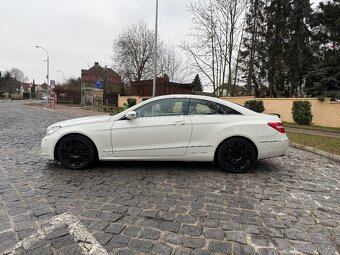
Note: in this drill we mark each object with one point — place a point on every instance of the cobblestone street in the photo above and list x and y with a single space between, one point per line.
288 205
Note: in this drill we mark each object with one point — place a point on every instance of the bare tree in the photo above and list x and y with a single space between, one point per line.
215 37
171 63
17 74
133 52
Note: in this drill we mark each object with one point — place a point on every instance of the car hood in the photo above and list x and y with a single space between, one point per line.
83 121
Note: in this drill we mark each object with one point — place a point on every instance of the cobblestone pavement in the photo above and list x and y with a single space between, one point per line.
288 205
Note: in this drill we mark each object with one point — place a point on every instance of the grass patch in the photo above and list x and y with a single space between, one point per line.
318 128
328 144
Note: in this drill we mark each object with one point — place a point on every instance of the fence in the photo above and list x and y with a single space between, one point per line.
325 113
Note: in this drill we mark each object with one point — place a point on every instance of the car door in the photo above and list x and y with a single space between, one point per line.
162 129
208 119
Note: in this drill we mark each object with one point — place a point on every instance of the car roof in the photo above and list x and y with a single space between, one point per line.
236 107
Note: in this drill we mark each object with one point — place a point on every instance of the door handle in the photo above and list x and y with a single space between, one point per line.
179 123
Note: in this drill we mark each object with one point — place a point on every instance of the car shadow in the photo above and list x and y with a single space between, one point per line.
259 167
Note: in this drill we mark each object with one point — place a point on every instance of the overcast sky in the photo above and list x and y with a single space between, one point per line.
76 33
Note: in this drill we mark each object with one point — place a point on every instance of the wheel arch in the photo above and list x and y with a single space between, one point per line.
55 152
240 137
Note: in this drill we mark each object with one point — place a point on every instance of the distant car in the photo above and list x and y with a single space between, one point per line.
44 97
169 128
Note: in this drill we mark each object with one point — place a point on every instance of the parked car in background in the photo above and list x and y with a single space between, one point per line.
169 128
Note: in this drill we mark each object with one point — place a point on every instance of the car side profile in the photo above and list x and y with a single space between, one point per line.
169 128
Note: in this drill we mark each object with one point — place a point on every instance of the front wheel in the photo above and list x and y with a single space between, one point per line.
76 152
236 155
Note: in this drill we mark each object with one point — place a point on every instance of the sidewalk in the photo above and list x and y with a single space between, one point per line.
78 110
313 132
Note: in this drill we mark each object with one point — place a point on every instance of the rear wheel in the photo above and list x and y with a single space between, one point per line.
76 152
236 155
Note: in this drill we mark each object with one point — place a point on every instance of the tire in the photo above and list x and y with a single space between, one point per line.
76 152
236 155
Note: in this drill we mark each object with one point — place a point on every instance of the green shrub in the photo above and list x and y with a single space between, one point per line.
25 95
254 105
302 112
131 102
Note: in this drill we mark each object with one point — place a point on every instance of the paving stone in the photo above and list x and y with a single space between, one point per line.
295 234
239 237
57 232
191 230
182 251
173 238
62 241
192 242
115 228
140 245
170 226
132 231
148 233
202 252
117 242
306 248
220 247
241 249
159 248
216 234
40 251
149 213
103 238
73 249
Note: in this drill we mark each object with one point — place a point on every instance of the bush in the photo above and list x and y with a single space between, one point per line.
302 112
131 102
254 105
25 95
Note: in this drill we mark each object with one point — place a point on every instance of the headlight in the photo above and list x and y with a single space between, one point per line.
51 130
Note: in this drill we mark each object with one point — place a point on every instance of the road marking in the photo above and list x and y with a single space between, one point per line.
84 239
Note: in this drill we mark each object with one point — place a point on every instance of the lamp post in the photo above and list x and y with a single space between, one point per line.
155 54
48 70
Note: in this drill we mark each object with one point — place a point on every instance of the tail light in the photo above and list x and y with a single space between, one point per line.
277 126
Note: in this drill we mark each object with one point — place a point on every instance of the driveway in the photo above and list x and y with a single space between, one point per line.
287 205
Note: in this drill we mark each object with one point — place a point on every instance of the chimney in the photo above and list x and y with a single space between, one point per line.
96 63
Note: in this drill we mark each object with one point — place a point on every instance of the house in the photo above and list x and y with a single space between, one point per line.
163 87
104 78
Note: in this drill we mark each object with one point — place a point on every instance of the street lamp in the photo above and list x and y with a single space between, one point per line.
48 69
155 54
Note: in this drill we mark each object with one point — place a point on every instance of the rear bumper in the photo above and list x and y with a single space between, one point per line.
271 149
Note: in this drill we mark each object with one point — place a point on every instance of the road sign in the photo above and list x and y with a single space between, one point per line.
99 84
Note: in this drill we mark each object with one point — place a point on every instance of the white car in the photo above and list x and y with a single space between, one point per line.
169 128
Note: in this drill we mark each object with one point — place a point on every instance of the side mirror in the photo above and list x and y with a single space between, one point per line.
131 115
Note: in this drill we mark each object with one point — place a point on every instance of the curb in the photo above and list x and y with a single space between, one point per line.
315 151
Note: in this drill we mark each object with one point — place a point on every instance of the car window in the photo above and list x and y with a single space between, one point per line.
204 107
164 107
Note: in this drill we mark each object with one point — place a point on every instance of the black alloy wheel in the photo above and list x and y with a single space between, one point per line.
76 152
236 155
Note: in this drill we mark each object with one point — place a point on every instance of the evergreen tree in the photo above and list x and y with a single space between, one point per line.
299 52
324 78
254 50
277 41
196 84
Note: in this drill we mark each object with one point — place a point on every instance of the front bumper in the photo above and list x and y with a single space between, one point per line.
47 147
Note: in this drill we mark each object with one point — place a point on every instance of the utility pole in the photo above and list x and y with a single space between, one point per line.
155 54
